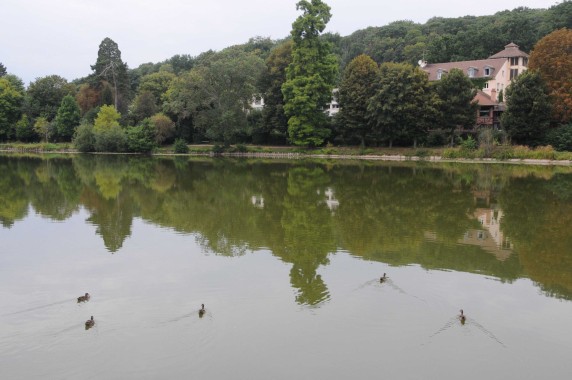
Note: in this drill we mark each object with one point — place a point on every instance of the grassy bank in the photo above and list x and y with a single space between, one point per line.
498 153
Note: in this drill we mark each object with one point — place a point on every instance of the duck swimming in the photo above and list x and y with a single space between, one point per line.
383 278
202 311
462 317
83 298
89 323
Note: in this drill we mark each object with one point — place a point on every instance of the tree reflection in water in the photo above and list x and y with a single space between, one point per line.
503 221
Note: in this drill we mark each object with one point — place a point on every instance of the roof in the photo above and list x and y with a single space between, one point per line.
510 50
479 65
484 100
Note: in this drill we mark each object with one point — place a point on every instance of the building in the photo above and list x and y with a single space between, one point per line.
499 70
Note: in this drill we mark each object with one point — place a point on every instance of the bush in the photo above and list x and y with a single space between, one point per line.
84 138
141 139
180 146
111 140
241 148
436 138
218 149
561 138
469 143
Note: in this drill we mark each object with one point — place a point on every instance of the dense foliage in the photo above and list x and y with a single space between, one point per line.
210 97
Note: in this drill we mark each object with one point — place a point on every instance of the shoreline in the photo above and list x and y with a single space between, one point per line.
301 156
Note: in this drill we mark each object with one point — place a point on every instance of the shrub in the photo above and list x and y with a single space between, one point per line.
111 140
218 149
241 148
180 146
469 143
141 139
436 138
84 138
560 138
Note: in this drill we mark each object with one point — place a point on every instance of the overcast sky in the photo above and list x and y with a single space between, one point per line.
45 37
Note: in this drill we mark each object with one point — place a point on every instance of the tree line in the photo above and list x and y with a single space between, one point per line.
384 97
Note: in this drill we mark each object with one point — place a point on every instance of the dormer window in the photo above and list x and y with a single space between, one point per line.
440 73
487 71
472 72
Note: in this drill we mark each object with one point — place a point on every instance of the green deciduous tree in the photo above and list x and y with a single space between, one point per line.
404 104
45 96
10 108
164 128
25 130
215 97
552 58
157 83
67 118
527 116
43 128
358 86
143 106
310 77
274 126
141 138
457 105
107 118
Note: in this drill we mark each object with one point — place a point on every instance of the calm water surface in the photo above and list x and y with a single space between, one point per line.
286 257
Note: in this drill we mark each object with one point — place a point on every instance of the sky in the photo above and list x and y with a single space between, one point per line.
62 37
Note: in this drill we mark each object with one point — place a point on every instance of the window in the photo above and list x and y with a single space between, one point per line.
514 61
439 73
486 85
525 62
513 73
487 71
472 72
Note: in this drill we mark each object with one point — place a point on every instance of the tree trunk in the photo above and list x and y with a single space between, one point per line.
415 143
390 143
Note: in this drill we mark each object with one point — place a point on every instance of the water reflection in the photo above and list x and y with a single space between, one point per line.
507 222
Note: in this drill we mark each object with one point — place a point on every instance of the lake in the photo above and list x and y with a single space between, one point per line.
287 257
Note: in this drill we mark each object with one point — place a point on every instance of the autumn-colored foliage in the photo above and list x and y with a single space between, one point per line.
552 57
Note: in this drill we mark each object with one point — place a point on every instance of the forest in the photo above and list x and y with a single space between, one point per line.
209 98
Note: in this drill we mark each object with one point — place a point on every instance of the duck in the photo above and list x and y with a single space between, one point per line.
89 323
83 298
202 311
383 278
462 317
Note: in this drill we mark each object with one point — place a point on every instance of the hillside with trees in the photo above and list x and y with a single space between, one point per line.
209 97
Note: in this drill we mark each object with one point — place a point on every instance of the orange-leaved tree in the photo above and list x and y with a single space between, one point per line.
552 57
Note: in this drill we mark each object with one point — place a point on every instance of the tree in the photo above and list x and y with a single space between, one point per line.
10 108
164 128
527 116
2 70
357 88
87 98
457 105
25 130
43 128
216 96
110 68
274 121
45 96
107 118
141 139
552 57
157 83
143 106
403 105
310 77
67 118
